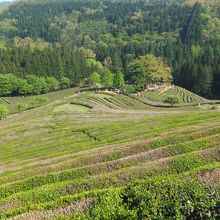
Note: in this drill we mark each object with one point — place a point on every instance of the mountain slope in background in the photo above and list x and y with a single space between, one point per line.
184 33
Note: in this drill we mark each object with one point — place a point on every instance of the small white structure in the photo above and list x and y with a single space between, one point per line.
155 86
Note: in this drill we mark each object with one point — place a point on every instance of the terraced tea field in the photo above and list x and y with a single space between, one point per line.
63 160
11 102
185 96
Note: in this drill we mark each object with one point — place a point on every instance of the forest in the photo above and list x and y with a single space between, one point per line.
62 38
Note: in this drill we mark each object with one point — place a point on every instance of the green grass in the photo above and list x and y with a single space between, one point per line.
61 154
70 108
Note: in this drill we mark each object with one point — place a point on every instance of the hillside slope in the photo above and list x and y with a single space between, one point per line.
184 95
112 100
57 162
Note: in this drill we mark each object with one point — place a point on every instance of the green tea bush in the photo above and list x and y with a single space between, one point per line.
21 107
110 206
158 199
172 100
168 199
3 111
37 101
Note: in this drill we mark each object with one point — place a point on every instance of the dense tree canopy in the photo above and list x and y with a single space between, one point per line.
74 38
30 85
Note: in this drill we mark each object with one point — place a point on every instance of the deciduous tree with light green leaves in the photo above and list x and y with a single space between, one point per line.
8 84
107 78
94 79
148 69
23 87
52 83
65 83
157 69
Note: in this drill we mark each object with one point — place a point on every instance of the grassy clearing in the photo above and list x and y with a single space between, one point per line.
70 108
65 157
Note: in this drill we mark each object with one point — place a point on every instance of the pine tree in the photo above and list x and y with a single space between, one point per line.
118 80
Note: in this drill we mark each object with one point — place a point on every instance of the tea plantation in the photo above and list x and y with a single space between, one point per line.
87 155
184 95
